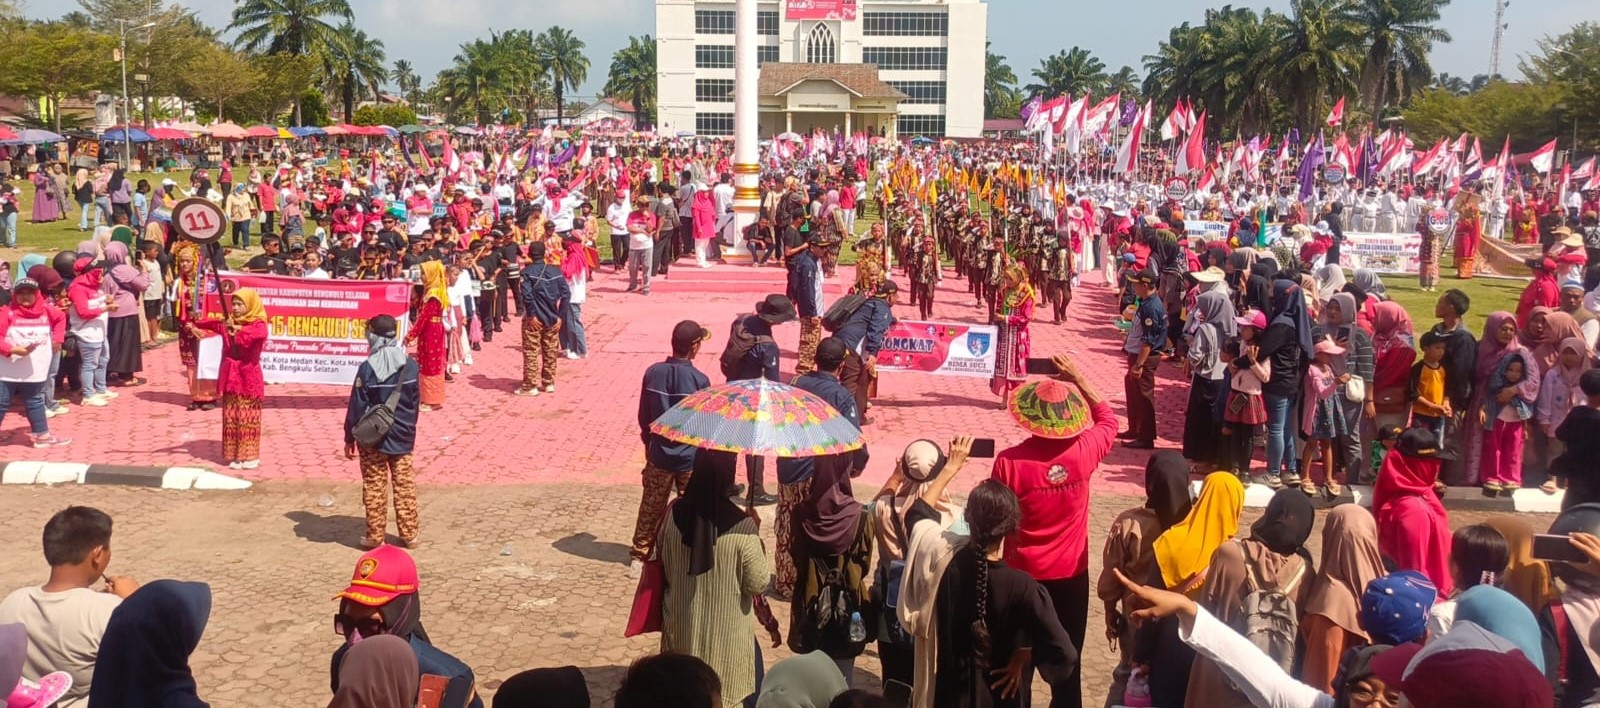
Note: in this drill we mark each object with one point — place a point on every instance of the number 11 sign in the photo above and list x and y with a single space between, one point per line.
198 220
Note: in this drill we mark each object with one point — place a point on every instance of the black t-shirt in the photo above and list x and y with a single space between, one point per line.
344 261
392 239
264 263
512 253
492 264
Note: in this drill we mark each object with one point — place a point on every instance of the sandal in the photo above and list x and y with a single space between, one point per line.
1309 487
1549 487
1335 490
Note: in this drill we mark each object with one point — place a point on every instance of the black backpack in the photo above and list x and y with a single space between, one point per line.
740 343
829 614
841 310
886 586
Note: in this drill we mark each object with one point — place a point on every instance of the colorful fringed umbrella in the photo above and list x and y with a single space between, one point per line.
759 417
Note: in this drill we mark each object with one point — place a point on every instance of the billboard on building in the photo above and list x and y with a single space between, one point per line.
820 10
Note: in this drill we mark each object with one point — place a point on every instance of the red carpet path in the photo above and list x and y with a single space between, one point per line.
587 432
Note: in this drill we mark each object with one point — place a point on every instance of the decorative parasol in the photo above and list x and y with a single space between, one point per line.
228 131
759 417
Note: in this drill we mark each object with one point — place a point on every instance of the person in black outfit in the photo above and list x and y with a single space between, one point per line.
511 251
751 353
1460 358
271 261
491 301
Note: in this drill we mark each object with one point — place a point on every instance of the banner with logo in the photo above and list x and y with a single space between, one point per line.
944 348
820 10
1383 253
1218 230
317 328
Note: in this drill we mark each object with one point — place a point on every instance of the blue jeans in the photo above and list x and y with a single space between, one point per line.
241 230
573 338
96 357
83 215
1280 435
32 394
102 212
11 230
50 383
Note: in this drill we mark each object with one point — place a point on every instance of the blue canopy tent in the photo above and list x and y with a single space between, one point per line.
130 135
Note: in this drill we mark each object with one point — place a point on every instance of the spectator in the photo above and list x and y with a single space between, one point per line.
126 283
1413 527
32 329
380 671
805 290
1499 343
1331 623
795 491
667 464
382 599
65 618
670 681
1478 556
862 335
751 353
544 688
144 655
802 681
387 378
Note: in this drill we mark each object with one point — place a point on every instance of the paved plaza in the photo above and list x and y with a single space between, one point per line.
527 504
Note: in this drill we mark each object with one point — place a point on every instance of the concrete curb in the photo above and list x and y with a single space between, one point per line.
1523 501
200 478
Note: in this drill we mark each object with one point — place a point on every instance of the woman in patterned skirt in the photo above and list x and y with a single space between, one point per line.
239 380
1013 315
429 333
189 308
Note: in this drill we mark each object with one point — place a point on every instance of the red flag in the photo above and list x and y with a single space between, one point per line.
1128 156
1336 116
1193 156
1544 158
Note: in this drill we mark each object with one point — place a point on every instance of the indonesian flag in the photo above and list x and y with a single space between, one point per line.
1193 156
1186 117
1209 180
1058 110
1172 127
1073 125
1566 181
1072 114
1342 155
1594 183
1395 155
1100 116
1585 171
1475 157
584 156
1128 156
1336 116
450 160
1544 158
1428 161
1500 169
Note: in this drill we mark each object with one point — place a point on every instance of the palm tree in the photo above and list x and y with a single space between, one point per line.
291 26
1452 84
472 78
1400 35
1220 65
1125 81
1069 72
1316 57
560 53
633 74
405 79
999 85
353 60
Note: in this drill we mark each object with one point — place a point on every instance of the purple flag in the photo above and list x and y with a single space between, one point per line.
1031 107
1309 167
1367 171
1130 113
1293 140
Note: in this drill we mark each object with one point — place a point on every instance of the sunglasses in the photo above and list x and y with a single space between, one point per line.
344 624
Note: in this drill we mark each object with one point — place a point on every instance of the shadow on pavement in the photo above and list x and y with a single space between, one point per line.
584 545
342 530
494 383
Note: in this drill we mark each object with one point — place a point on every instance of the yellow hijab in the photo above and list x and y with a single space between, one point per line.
254 311
1185 549
434 284
1526 579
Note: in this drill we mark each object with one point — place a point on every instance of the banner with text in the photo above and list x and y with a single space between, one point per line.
318 328
820 10
945 348
1218 230
1383 253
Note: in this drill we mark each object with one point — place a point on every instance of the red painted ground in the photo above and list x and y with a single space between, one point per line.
587 432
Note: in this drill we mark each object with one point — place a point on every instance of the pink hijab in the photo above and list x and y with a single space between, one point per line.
1391 328
1490 351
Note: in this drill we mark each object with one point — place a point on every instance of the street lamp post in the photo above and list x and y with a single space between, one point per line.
127 107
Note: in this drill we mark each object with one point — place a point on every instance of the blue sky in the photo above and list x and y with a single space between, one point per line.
1119 32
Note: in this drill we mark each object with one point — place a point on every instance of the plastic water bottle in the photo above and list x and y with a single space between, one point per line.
858 629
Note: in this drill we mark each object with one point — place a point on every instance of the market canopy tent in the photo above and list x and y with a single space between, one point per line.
33 136
131 135
228 131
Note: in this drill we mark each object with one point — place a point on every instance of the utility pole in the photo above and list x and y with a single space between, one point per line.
1499 35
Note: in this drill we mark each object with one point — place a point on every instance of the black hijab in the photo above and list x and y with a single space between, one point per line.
830 513
705 512
1286 524
1355 666
1258 285
1289 309
1166 487
144 653
544 688
402 617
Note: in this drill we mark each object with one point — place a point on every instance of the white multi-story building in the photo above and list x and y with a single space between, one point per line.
892 67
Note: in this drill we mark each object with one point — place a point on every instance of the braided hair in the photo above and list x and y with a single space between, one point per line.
992 514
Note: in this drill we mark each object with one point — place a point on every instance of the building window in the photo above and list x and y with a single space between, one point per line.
716 124
713 21
912 126
906 58
920 92
820 47
765 54
905 24
713 56
767 23
713 90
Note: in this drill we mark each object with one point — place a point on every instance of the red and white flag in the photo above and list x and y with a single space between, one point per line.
1584 171
1544 158
1100 116
1501 168
1336 116
1192 158
1207 181
584 155
1128 156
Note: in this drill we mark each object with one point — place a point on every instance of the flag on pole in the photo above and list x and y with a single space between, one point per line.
1544 158
422 148
1310 166
1128 156
1566 182
1336 116
1192 158
1502 167
1173 125
1585 171
584 156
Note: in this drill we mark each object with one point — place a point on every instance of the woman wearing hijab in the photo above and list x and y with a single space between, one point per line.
577 270
87 318
1338 318
125 284
1504 615
428 333
387 373
1330 282
240 381
1130 549
380 672
241 211
1413 527
1559 393
1273 557
144 654
1394 350
1499 343
713 566
564 687
1544 291
1286 346
831 534
1330 622
1526 578
803 681
1371 284
1212 324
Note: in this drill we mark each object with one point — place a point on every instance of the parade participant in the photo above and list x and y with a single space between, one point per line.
387 373
1071 429
188 308
1012 313
870 260
805 290
240 379
577 269
863 334
667 463
1145 338
144 656
382 599
1469 228
543 295
429 333
126 284
1060 269
926 274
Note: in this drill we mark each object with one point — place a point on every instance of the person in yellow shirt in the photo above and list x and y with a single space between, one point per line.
1430 407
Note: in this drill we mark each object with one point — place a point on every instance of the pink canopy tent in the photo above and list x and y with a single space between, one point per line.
228 131
262 131
168 134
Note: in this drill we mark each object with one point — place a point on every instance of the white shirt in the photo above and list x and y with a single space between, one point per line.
617 217
90 331
723 194
316 274
560 212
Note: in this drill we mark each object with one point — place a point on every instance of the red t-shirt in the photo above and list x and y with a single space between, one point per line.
1051 481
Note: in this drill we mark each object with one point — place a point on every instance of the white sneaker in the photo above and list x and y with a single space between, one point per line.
98 399
110 395
53 412
573 355
550 389
635 568
526 392
249 464
234 465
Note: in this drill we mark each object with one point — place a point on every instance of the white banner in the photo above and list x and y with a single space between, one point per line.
1382 253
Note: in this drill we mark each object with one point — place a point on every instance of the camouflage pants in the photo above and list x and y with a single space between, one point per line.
379 472
784 574
810 337
541 345
659 485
